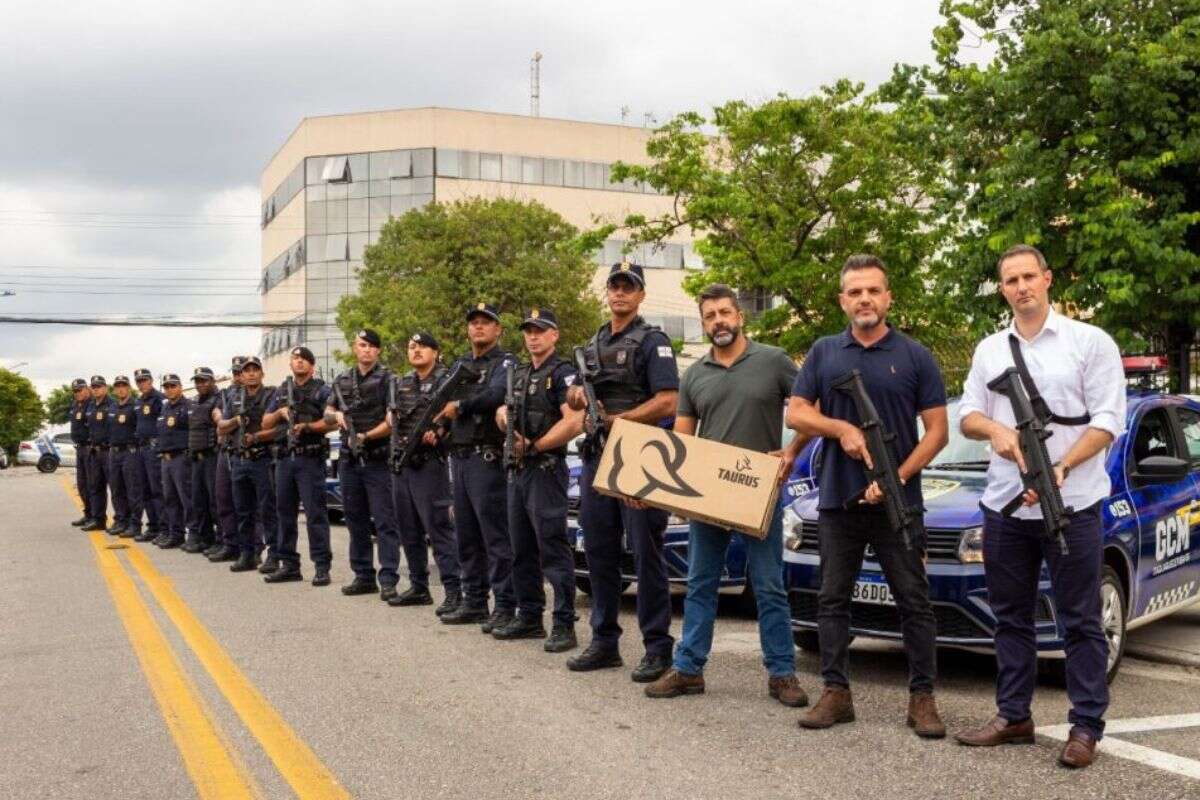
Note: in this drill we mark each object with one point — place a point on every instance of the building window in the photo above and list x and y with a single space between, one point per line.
447 163
336 170
552 174
532 170
489 167
468 165
573 174
422 162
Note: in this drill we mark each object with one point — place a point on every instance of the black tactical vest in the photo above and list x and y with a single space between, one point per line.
79 423
479 430
364 399
202 432
618 384
307 408
256 406
538 412
410 398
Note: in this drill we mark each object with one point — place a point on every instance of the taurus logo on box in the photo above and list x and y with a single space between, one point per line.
672 460
740 474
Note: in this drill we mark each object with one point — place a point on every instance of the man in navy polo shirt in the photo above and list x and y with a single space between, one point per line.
903 381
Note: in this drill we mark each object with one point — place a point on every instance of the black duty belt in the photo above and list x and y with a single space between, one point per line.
541 461
485 452
253 453
124 447
201 455
167 455
308 451
146 442
98 448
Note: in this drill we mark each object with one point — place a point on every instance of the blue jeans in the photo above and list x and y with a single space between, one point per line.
764 562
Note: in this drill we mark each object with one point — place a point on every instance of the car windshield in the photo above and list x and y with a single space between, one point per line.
959 452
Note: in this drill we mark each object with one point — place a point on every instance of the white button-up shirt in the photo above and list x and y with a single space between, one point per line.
1077 369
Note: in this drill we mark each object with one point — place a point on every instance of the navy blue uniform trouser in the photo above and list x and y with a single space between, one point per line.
97 473
603 520
422 497
150 474
254 503
125 468
367 497
204 495
81 479
177 493
301 479
226 514
537 523
1013 550
481 527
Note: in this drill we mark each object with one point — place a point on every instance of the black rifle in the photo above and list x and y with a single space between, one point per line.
450 389
239 407
350 442
885 471
593 423
293 438
1039 471
515 409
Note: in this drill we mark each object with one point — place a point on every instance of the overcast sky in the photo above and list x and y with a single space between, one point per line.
132 134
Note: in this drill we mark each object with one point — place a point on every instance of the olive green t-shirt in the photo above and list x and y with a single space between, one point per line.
742 404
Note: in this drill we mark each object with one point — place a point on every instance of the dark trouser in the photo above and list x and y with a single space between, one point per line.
254 503
152 486
125 468
367 496
1013 551
97 473
301 479
537 523
603 520
81 479
481 527
422 498
204 495
177 493
223 492
843 536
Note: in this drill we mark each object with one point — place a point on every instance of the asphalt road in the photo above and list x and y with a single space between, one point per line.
139 673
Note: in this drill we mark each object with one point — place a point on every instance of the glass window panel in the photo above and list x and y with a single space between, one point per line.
335 247
673 256
336 213
373 236
552 173
692 330
380 163
531 170
403 187
489 167
401 164
447 163
314 167
422 186
314 219
379 189
400 204
573 173
314 246
356 213
612 251
337 191
692 259
358 167
468 164
358 189
594 175
315 193
381 209
510 168
419 200
295 181
334 170
317 272
357 242
422 162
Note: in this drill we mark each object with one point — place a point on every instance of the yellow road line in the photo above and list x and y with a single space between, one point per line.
208 761
296 762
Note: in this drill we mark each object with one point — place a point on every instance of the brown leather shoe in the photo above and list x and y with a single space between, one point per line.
998 731
1080 749
674 683
786 689
923 716
835 705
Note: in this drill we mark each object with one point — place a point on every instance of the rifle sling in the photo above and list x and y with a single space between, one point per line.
1038 402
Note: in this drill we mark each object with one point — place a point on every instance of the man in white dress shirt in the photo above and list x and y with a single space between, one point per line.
1077 370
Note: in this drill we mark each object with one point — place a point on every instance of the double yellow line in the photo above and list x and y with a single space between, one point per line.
206 752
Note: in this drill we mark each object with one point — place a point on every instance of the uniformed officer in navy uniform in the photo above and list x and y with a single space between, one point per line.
202 450
359 401
149 408
537 487
300 470
97 453
253 495
176 468
79 437
639 381
225 548
421 488
480 496
124 464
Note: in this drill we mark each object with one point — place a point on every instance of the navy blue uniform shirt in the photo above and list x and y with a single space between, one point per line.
79 425
149 407
122 422
98 420
902 379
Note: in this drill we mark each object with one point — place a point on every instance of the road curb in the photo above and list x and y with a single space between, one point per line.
1163 655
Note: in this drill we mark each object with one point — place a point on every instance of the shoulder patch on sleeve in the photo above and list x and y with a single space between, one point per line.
569 380
665 351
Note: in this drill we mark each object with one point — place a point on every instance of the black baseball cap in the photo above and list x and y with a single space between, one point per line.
425 339
487 309
142 374
369 336
171 379
202 373
98 380
236 365
541 317
252 361
629 271
117 381
305 353
77 384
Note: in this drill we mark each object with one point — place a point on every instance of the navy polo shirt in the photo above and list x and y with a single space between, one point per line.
902 379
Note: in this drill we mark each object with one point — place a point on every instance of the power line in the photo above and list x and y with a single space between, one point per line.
115 213
159 323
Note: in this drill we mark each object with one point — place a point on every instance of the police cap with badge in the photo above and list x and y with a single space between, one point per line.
142 374
98 380
370 337
628 271
202 374
488 310
305 353
543 318
77 384
236 366
425 339
171 379
121 379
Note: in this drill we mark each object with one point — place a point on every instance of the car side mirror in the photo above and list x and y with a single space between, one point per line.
1161 469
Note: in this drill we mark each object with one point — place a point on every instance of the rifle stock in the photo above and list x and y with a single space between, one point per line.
350 442
511 461
593 423
293 438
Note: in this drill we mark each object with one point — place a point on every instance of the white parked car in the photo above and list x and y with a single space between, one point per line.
47 453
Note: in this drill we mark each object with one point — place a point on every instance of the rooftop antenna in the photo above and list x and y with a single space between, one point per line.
535 85
624 114
649 120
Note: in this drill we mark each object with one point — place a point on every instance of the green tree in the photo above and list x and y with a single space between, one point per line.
21 411
1081 136
58 405
786 190
432 263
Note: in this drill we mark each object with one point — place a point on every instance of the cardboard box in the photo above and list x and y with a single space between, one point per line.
693 477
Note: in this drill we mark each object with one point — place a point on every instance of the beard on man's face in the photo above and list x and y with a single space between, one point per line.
723 335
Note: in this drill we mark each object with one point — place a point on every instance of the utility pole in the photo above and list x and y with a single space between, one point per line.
535 85
624 114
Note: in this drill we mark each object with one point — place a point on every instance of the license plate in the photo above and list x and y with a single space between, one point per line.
873 591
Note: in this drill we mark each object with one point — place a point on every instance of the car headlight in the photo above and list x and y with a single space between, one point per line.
791 530
970 546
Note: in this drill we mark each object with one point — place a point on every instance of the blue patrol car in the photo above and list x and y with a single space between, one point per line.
675 539
1151 563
